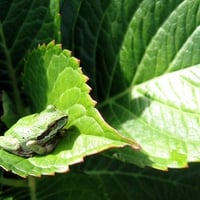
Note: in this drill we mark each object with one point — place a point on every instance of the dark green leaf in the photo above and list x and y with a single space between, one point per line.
23 25
111 179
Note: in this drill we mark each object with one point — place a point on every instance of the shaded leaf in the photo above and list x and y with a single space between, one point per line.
35 22
111 179
8 117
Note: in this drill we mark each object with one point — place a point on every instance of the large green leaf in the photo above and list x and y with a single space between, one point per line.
52 76
145 73
164 114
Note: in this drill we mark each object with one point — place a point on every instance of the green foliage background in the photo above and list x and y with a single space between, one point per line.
142 58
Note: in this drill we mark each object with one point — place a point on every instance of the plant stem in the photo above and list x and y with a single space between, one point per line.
32 187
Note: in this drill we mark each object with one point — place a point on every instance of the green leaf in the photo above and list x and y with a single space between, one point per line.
164 113
52 76
71 186
160 113
145 75
111 179
9 117
86 20
35 22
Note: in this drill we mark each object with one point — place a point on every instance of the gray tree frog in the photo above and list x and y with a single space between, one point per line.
35 134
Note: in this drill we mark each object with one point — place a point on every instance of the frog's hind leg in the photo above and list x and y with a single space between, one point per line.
35 146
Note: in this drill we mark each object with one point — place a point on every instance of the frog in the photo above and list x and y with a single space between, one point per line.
35 134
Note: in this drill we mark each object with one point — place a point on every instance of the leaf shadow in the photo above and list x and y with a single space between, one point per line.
67 140
140 104
125 108
124 115
36 82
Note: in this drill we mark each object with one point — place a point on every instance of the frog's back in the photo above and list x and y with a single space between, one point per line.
24 127
32 126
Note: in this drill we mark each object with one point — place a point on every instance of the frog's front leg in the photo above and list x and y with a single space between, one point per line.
35 146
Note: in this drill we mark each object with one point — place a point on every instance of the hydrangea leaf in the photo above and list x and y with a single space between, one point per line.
52 76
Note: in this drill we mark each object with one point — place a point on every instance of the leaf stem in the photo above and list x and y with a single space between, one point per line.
12 75
32 187
113 98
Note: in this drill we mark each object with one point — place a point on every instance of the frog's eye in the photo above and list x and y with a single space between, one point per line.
52 126
58 124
